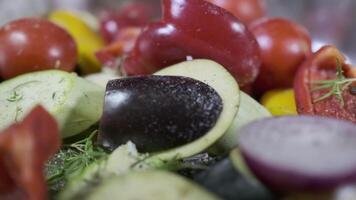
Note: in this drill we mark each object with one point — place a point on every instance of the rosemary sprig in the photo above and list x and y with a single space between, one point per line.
72 159
335 87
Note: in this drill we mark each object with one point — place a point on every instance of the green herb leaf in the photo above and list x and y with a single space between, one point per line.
71 161
335 87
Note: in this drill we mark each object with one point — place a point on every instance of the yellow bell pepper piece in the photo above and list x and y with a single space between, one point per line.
88 41
280 102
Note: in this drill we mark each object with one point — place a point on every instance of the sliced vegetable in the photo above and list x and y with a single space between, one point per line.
24 148
152 185
324 85
122 160
198 30
280 102
102 78
87 40
300 154
224 84
75 102
248 110
157 112
228 180
33 44
122 45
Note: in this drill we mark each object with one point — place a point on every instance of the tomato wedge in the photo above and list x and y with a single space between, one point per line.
324 85
24 148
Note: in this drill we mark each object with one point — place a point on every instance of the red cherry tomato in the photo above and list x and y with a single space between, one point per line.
283 47
32 44
246 10
131 14
322 66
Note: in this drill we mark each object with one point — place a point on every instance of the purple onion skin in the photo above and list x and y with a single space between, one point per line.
286 180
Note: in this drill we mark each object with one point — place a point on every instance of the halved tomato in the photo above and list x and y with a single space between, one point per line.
324 85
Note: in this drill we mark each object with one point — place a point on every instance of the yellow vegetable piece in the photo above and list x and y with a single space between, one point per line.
280 102
88 41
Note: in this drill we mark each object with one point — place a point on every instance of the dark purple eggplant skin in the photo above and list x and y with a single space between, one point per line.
329 139
157 112
226 181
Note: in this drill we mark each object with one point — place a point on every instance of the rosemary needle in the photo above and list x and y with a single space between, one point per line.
335 87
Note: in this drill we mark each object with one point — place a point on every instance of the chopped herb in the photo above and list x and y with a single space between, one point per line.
15 97
335 86
54 95
72 160
18 112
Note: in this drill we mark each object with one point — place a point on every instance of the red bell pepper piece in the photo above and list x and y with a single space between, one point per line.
198 29
24 148
123 44
316 86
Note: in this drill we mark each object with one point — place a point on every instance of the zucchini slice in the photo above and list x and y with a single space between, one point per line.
150 185
75 102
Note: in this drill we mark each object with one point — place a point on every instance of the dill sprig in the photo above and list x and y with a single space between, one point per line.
72 160
335 87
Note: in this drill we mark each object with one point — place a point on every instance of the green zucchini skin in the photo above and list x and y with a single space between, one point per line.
227 182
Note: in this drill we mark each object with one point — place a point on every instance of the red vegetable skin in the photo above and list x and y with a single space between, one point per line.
133 14
32 44
284 45
123 44
24 148
322 66
199 29
246 10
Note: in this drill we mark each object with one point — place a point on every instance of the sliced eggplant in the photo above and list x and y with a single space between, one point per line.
230 180
216 99
300 154
157 112
75 102
248 109
151 185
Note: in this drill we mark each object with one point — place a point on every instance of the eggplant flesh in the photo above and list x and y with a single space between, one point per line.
157 112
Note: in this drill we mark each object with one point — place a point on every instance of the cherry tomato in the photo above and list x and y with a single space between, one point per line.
280 102
283 47
32 44
130 14
324 84
246 10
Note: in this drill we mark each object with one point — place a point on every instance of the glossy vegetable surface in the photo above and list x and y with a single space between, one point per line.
32 44
217 77
157 112
245 10
300 154
87 40
284 45
130 14
323 85
197 29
